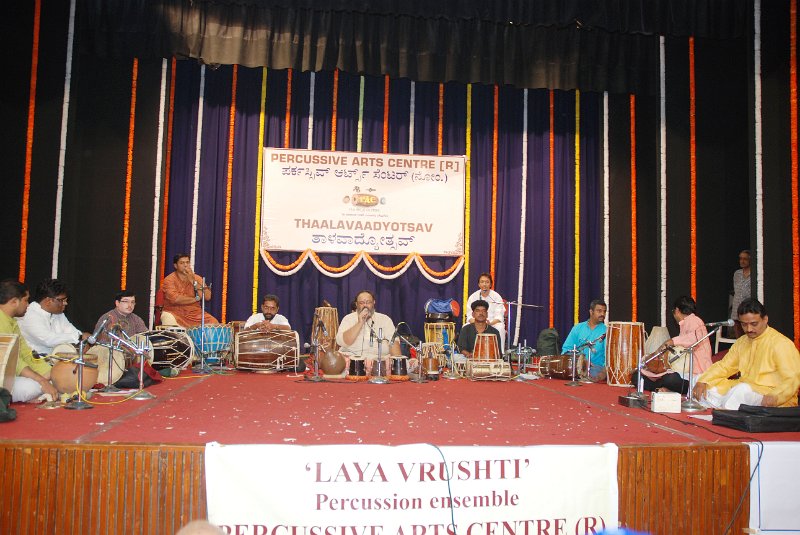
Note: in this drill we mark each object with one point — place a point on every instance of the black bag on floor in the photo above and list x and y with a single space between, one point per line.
6 412
754 419
548 343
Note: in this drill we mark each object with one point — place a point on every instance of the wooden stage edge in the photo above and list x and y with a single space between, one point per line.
63 487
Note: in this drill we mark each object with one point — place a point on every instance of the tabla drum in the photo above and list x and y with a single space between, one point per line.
624 345
382 370
64 374
170 349
560 366
329 317
213 342
357 370
486 347
488 370
266 352
332 364
399 368
430 367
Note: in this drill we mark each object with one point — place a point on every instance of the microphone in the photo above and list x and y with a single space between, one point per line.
727 323
93 337
371 335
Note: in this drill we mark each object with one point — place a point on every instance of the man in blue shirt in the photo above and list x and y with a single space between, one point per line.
587 337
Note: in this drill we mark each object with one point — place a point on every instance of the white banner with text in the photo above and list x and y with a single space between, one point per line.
415 489
346 202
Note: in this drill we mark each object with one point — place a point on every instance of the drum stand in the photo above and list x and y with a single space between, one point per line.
690 404
79 404
110 388
574 351
378 378
523 353
203 368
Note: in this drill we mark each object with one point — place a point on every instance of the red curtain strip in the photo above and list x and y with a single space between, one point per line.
126 219
693 171
26 189
286 128
386 114
795 207
552 208
335 107
439 142
634 248
167 170
493 248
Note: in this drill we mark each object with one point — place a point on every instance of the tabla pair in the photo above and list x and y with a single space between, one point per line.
360 369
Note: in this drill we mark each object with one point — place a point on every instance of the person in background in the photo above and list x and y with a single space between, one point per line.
44 325
183 290
496 315
741 290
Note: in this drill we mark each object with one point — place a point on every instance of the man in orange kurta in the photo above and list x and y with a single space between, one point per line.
183 290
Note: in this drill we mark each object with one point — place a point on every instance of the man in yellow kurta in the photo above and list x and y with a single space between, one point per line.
183 291
32 375
767 361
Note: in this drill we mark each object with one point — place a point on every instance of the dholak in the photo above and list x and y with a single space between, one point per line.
65 374
399 368
488 370
97 355
266 352
9 351
213 342
358 369
560 366
486 347
329 317
171 349
624 346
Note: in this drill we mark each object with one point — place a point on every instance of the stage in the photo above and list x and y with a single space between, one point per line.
137 466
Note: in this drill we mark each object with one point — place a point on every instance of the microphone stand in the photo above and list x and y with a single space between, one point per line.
511 318
637 398
574 351
79 404
139 351
202 368
523 352
420 378
316 378
378 379
689 404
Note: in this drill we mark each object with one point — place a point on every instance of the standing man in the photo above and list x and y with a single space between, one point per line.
587 336
767 361
44 325
121 316
268 319
31 379
480 325
183 289
363 331
741 289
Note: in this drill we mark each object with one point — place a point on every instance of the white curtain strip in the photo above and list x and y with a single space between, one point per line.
62 153
412 102
606 212
523 215
360 258
759 151
198 143
157 193
312 83
360 130
663 178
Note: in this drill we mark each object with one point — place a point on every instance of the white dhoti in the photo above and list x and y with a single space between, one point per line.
741 394
25 389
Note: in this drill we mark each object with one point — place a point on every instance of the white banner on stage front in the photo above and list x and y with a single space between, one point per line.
346 202
414 489
775 487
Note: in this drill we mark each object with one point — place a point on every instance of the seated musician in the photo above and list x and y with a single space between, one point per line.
480 325
183 290
363 332
121 317
589 337
767 361
44 325
31 375
268 319
692 329
496 313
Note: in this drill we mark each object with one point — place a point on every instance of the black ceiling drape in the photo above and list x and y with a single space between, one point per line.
593 45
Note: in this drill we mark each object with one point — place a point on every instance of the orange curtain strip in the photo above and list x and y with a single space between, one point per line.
552 208
126 218
439 142
795 207
634 247
286 267
26 189
389 269
286 128
494 181
334 107
433 273
228 191
692 172
386 113
335 269
167 168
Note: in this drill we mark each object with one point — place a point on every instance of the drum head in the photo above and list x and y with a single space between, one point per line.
117 362
170 349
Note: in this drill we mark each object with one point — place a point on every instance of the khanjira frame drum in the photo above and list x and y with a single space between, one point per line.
266 352
624 345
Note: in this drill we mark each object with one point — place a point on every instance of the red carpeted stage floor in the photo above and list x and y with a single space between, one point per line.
248 408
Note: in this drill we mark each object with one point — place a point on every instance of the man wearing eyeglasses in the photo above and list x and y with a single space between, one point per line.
121 317
44 325
363 331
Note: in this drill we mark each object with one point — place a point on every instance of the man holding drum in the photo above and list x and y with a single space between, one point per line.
589 336
268 319
767 361
480 325
183 291
364 331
